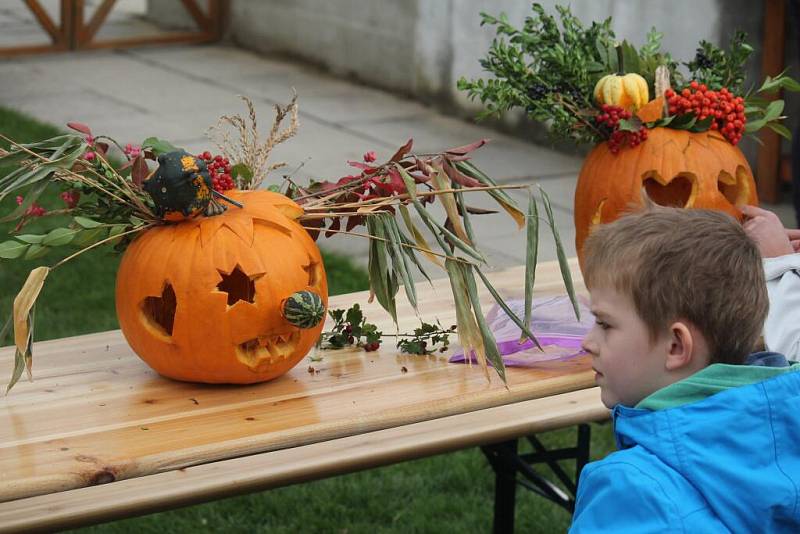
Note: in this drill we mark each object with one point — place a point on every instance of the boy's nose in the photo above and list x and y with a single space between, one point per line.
588 345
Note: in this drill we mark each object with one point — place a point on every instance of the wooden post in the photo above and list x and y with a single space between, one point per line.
769 154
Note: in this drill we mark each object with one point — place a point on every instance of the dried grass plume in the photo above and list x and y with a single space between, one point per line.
249 149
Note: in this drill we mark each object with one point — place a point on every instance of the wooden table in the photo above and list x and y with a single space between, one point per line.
100 436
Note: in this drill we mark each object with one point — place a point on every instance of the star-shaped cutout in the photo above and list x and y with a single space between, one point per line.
238 286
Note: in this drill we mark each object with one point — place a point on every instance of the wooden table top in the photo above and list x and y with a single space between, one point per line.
96 413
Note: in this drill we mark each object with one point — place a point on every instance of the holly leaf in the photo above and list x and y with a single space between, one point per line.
241 169
634 124
780 129
703 125
774 110
158 146
683 122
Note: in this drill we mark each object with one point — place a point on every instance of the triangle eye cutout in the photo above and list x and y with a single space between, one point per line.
238 286
313 271
735 189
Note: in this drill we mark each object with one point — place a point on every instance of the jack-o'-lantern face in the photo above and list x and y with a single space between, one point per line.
204 300
673 168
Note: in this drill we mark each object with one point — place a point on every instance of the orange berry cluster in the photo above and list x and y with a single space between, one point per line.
726 109
219 169
610 117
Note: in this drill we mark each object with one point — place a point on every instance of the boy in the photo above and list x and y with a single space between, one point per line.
708 432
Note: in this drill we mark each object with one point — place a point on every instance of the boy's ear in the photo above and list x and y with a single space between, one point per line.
682 347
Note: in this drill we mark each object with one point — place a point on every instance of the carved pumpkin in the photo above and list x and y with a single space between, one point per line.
203 300
675 168
628 91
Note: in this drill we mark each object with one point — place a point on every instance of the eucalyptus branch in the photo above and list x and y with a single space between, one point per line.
102 241
405 196
425 250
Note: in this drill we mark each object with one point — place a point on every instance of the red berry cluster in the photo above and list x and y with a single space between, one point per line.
34 210
219 169
71 198
369 347
726 109
619 138
610 117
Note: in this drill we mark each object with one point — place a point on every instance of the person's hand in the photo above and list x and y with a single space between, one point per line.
794 238
768 232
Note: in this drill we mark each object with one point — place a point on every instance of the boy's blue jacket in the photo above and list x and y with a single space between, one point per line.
727 463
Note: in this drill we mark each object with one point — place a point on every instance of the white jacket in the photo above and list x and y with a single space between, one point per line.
782 328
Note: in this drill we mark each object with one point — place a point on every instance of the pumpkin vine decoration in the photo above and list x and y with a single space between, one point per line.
592 88
201 295
661 130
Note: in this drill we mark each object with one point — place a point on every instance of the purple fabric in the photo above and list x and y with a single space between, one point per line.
552 322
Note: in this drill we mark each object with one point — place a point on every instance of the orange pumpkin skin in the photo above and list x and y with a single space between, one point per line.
201 300
676 168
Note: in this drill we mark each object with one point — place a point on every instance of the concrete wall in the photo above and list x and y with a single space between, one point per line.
421 47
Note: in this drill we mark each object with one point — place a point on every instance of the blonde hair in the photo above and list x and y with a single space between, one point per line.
695 265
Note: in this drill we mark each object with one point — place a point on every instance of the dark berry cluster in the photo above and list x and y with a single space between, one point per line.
537 91
726 109
219 169
702 61
609 119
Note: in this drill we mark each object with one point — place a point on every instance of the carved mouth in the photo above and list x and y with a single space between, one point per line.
267 349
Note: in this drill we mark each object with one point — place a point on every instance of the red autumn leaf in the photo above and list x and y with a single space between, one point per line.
354 221
314 223
335 225
420 178
368 169
454 157
395 184
80 127
459 177
402 151
139 171
466 149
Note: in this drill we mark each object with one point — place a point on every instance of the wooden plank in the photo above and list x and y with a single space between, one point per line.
203 22
216 480
44 20
86 33
172 38
772 63
96 413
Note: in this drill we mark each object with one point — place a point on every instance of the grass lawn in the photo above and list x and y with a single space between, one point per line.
446 493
